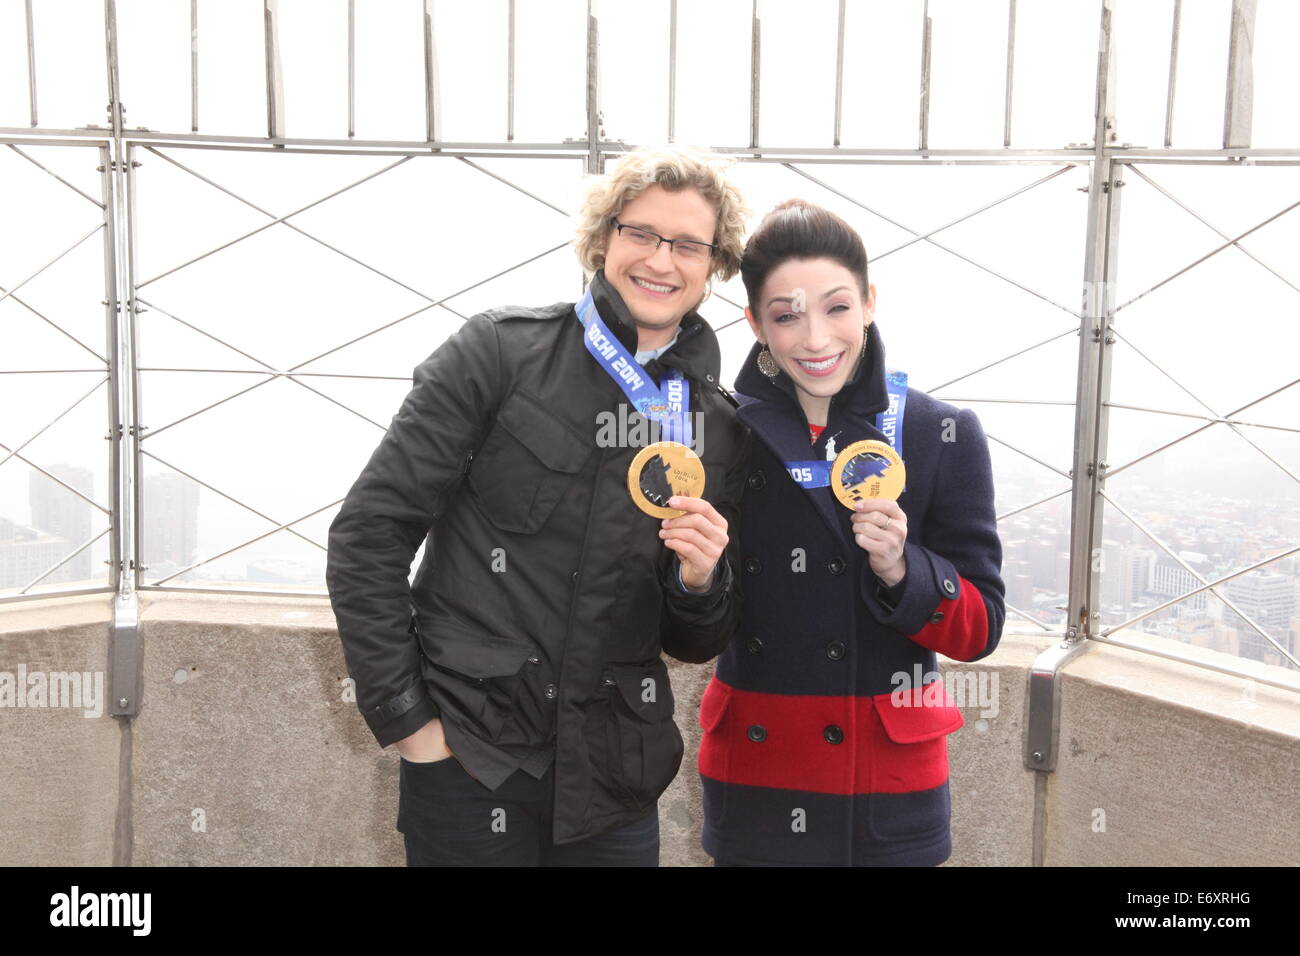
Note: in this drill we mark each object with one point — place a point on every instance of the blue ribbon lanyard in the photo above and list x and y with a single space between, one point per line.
670 407
817 474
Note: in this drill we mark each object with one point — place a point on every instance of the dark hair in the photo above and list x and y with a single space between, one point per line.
796 229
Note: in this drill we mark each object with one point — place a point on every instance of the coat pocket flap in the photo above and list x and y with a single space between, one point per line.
475 653
551 441
645 690
909 719
713 706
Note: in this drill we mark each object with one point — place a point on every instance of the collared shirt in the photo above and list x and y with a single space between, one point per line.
648 354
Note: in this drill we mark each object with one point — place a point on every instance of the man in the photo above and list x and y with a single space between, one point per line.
520 676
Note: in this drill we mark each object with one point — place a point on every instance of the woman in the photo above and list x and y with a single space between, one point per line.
820 748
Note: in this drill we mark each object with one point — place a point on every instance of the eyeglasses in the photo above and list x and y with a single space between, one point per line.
688 250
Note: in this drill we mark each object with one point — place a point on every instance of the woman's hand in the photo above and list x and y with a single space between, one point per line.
699 537
880 529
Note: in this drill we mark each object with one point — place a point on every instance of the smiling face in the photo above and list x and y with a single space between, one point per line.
659 286
812 317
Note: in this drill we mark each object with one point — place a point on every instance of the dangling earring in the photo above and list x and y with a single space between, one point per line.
864 340
766 364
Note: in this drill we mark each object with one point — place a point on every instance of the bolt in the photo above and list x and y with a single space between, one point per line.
121 702
1038 757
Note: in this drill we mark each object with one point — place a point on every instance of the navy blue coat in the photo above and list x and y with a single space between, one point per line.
817 748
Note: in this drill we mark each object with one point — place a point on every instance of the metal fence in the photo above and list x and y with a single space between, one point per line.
1069 345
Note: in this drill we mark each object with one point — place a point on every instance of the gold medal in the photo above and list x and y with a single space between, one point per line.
867 469
660 471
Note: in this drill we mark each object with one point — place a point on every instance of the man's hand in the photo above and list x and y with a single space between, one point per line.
699 537
426 745
880 529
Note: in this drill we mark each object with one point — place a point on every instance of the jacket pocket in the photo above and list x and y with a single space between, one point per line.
713 705
909 788
919 723
479 672
645 748
526 465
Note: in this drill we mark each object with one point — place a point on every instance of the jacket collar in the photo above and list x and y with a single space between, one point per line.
696 351
770 408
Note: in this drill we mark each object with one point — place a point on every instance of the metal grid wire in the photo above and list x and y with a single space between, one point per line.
1104 161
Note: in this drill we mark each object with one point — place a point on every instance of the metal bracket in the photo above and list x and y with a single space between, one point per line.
1106 186
125 656
1042 726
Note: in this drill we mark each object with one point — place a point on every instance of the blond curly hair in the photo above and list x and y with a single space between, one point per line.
672 167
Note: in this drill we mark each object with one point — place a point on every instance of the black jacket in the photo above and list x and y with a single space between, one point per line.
535 623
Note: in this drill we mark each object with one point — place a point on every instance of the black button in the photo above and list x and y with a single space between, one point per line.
949 586
534 660
757 480
754 646
757 734
936 617
833 735
753 565
574 577
549 691
835 650
835 565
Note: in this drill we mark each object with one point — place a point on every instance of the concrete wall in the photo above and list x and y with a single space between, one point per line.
59 785
1161 764
246 752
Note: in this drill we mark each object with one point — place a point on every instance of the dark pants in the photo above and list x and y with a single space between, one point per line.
450 819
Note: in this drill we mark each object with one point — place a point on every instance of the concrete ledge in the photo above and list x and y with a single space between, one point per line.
247 752
1161 763
61 768
992 792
